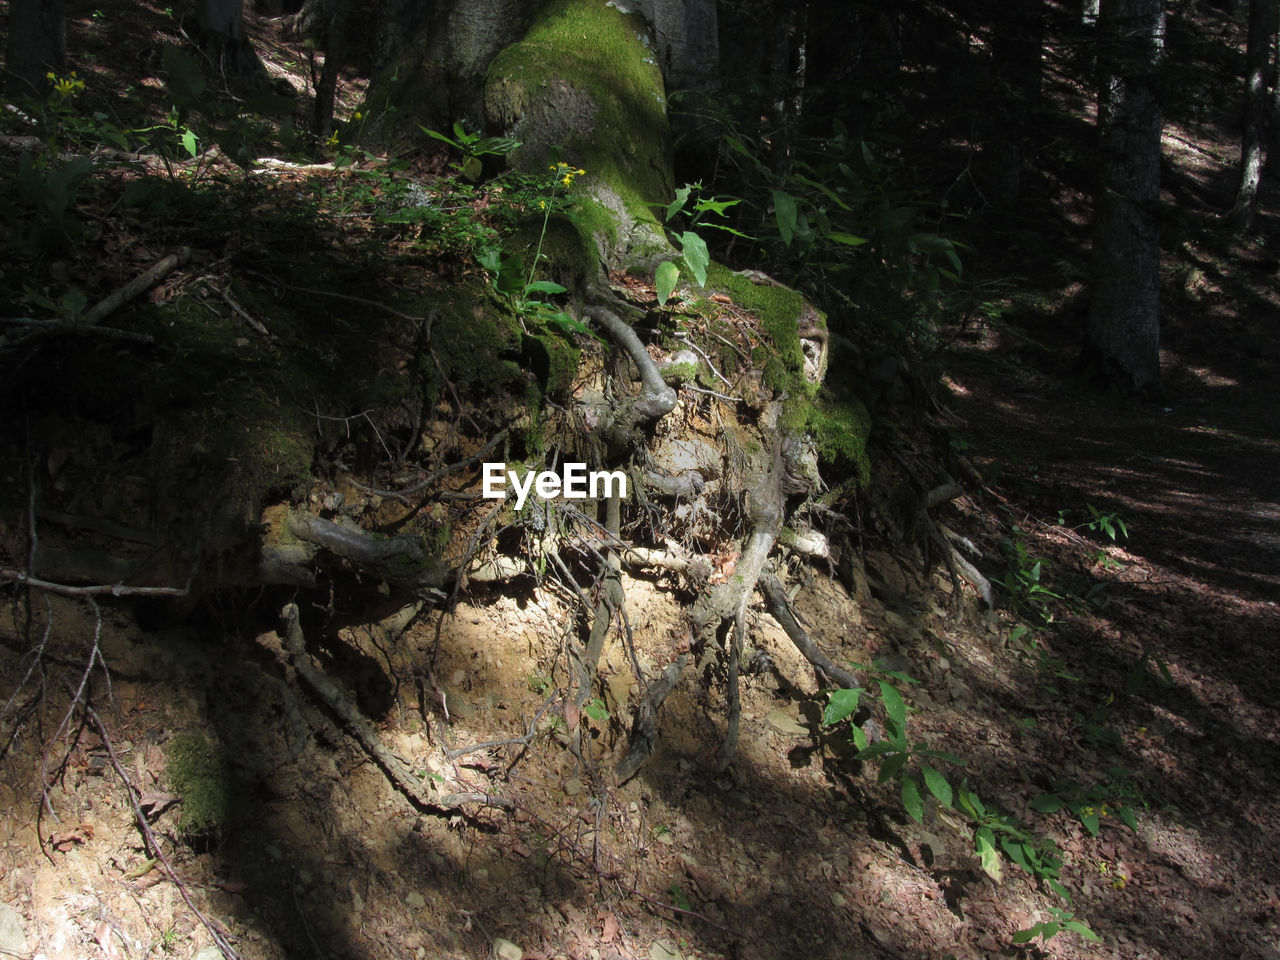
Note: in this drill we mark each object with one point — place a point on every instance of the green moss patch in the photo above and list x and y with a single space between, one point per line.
199 773
840 430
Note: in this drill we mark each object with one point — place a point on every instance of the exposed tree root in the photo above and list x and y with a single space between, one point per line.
327 691
781 610
396 558
728 601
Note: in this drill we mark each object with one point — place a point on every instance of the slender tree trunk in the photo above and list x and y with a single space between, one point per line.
37 46
1123 336
1253 151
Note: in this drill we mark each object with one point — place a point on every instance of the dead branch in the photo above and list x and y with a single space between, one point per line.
138 285
114 589
327 691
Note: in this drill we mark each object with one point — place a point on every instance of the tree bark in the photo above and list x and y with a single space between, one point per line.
1122 343
1253 151
37 46
222 37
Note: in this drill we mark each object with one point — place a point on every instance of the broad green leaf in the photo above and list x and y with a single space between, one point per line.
840 704
189 142
848 239
989 859
544 286
859 738
676 205
1059 889
1017 853
1089 817
871 751
665 279
784 210
1077 927
567 323
184 78
442 138
937 784
1026 936
694 250
894 705
1046 803
73 302
1127 817
1050 930
472 168
911 799
715 206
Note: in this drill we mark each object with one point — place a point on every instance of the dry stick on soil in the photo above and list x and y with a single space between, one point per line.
138 285
149 838
510 742
401 776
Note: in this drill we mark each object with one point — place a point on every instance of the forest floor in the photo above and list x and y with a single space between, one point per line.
1134 673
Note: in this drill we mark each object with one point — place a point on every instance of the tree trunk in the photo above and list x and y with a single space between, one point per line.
1123 336
37 46
222 37
1253 152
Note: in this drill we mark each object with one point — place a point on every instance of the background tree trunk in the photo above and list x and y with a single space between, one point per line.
1253 152
37 46
1123 336
222 37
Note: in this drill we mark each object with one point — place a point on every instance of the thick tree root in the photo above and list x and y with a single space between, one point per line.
781 610
400 558
327 691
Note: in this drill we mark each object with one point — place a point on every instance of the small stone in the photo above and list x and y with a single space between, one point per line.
415 900
507 950
786 724
209 953
573 787
12 939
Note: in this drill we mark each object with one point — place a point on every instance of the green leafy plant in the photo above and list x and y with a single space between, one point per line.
518 284
995 832
895 753
474 148
1091 805
1110 525
596 710
1022 580
694 255
1048 929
